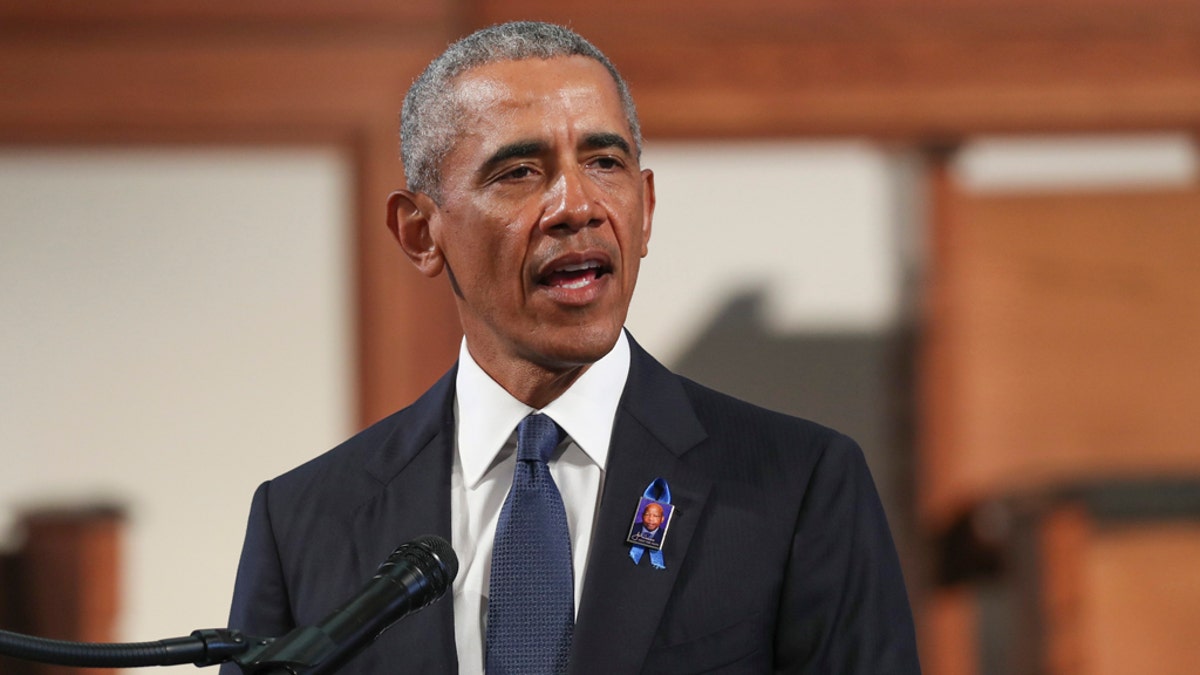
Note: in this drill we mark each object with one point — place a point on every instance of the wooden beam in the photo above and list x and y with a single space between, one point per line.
909 70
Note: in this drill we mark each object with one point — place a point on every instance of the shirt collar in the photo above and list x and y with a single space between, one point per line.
486 414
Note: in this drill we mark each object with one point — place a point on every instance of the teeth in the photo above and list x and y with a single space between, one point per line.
590 265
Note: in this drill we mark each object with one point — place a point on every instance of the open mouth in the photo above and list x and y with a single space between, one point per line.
574 275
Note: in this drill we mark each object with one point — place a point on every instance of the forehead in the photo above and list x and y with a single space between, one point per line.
535 99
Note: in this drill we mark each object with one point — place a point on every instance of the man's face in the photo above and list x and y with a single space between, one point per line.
652 516
544 214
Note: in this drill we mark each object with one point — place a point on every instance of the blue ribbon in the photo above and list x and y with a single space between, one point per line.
659 492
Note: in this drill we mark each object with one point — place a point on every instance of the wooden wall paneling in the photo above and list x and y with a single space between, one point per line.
1064 329
1120 597
939 413
1062 589
1143 599
408 326
948 630
915 69
222 14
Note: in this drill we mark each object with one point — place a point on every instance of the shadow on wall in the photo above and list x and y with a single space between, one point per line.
859 383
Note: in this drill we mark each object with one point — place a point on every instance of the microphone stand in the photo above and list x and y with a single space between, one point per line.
307 650
203 647
413 576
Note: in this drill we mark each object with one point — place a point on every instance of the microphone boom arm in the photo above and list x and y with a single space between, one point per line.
413 576
203 647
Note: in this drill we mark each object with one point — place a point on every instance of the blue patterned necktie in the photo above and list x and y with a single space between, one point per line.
531 599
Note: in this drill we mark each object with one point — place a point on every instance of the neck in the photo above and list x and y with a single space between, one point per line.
534 385
539 389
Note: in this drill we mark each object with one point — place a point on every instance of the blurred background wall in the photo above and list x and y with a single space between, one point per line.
964 233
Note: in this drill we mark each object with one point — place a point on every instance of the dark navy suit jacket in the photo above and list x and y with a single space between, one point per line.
779 559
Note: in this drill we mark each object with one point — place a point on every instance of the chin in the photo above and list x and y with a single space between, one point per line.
578 346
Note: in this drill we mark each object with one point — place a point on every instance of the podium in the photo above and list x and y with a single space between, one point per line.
62 581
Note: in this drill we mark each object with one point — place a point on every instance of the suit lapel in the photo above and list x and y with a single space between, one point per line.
622 603
412 467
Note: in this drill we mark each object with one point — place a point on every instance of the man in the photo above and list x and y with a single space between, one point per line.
646 531
522 148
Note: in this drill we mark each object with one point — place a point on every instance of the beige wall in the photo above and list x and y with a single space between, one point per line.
176 328
815 226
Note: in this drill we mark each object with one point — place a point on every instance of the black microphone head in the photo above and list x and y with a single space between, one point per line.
440 548
413 576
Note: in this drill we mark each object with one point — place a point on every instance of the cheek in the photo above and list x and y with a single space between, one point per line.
493 264
486 244
473 244
631 233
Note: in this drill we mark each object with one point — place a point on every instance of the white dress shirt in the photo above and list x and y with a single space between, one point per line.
486 418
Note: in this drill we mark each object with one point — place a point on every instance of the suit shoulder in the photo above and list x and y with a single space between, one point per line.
719 412
367 458
351 452
755 446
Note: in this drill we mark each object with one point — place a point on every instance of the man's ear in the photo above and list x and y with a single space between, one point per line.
409 218
648 202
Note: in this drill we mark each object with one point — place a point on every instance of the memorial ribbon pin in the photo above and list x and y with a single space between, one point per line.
650 522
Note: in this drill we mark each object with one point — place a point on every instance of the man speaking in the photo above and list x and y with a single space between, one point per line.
539 451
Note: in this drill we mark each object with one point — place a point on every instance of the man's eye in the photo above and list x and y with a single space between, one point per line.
607 163
517 173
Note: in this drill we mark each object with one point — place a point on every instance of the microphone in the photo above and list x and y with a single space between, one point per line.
412 577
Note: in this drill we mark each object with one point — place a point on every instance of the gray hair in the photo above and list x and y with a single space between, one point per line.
429 119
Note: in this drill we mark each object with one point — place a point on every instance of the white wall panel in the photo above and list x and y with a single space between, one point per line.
812 224
175 328
1077 162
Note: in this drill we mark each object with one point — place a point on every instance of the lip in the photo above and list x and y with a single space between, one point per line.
576 278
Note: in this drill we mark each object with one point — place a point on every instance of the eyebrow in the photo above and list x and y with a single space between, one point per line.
513 150
600 141
596 141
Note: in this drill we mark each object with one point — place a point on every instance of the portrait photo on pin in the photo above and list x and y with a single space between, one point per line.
650 523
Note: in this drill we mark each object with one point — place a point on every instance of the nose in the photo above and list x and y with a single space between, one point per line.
570 203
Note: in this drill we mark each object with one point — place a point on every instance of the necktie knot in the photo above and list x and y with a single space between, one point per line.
537 437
